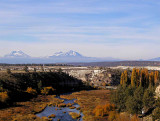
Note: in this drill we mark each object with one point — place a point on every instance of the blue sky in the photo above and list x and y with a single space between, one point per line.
98 28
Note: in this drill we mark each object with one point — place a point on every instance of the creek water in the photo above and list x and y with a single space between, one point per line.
59 112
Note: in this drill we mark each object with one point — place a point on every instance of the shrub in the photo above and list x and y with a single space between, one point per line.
102 110
112 116
4 97
74 115
134 118
47 90
31 91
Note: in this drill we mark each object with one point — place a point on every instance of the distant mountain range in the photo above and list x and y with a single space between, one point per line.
19 57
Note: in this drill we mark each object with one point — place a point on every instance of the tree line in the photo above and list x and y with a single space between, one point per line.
136 93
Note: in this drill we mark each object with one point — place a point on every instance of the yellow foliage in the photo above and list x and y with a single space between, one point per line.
134 118
47 90
3 96
156 77
112 116
31 91
102 110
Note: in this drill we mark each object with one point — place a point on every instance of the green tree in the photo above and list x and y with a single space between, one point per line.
119 97
156 112
131 105
35 69
59 70
138 96
42 69
39 85
8 71
26 69
148 98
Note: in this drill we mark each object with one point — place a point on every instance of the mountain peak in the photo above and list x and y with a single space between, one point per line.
70 53
17 53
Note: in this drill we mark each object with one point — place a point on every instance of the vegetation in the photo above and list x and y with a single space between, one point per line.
136 93
47 90
103 110
8 71
29 85
74 115
31 91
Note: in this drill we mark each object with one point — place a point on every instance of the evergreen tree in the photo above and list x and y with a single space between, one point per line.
26 69
138 96
131 105
8 71
148 98
40 85
42 69
35 69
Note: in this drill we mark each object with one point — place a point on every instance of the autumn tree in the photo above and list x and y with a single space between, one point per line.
133 78
47 90
156 77
124 78
151 79
4 97
137 77
31 91
144 78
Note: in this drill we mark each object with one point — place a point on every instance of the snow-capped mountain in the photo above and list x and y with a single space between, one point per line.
19 57
17 53
70 53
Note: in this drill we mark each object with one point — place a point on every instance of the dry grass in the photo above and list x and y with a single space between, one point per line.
88 100
74 115
26 110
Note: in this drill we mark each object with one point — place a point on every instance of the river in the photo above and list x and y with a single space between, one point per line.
59 111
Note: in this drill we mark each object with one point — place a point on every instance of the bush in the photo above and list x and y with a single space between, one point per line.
134 118
112 116
47 90
102 110
31 91
4 97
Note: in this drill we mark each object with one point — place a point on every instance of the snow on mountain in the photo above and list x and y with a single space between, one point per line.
17 53
70 53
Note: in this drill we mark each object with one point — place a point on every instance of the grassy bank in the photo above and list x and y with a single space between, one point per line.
25 111
88 100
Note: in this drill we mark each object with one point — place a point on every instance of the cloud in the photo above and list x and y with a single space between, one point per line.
109 26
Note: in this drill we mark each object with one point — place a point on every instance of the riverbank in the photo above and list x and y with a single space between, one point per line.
26 111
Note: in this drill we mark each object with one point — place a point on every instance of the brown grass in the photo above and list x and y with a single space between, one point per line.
26 110
88 100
